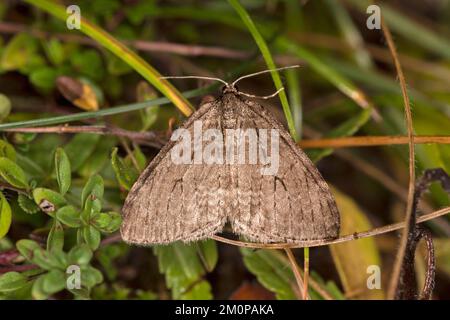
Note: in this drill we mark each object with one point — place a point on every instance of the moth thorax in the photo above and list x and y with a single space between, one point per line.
229 116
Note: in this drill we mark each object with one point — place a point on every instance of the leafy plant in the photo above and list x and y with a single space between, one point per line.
62 186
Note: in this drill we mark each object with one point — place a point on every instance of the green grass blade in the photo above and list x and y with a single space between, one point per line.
269 61
350 33
99 114
342 83
295 99
122 52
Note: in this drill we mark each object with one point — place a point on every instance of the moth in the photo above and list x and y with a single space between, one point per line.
194 200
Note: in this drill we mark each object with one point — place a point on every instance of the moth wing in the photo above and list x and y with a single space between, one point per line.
171 202
293 205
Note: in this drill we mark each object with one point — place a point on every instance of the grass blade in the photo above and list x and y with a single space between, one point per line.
97 114
269 61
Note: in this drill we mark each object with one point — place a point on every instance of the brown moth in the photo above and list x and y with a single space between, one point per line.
187 202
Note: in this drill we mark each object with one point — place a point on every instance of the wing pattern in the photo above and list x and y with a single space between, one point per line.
193 201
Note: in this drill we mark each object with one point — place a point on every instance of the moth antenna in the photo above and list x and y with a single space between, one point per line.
261 72
261 97
196 77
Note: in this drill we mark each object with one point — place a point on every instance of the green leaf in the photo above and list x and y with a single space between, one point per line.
5 107
140 160
5 216
49 260
125 174
27 204
99 158
80 148
38 292
95 187
55 239
48 200
18 53
27 248
348 128
272 271
88 63
63 172
7 150
183 270
12 281
149 116
44 78
12 173
106 256
107 222
53 281
80 255
69 216
92 237
354 257
116 66
207 250
91 277
92 208
55 51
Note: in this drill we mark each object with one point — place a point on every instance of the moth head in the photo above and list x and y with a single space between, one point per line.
230 88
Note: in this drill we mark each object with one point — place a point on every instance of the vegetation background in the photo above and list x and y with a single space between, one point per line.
83 113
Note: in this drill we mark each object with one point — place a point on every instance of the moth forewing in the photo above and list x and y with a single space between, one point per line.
242 166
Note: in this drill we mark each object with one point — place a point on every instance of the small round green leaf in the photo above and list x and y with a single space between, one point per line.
27 248
92 237
63 172
12 281
94 187
55 239
7 150
5 216
44 78
107 222
27 204
12 173
125 174
80 255
91 277
38 292
54 281
5 107
69 216
48 200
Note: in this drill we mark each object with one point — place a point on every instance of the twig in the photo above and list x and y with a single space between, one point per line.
18 268
370 141
150 137
411 187
306 274
343 142
319 243
297 274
